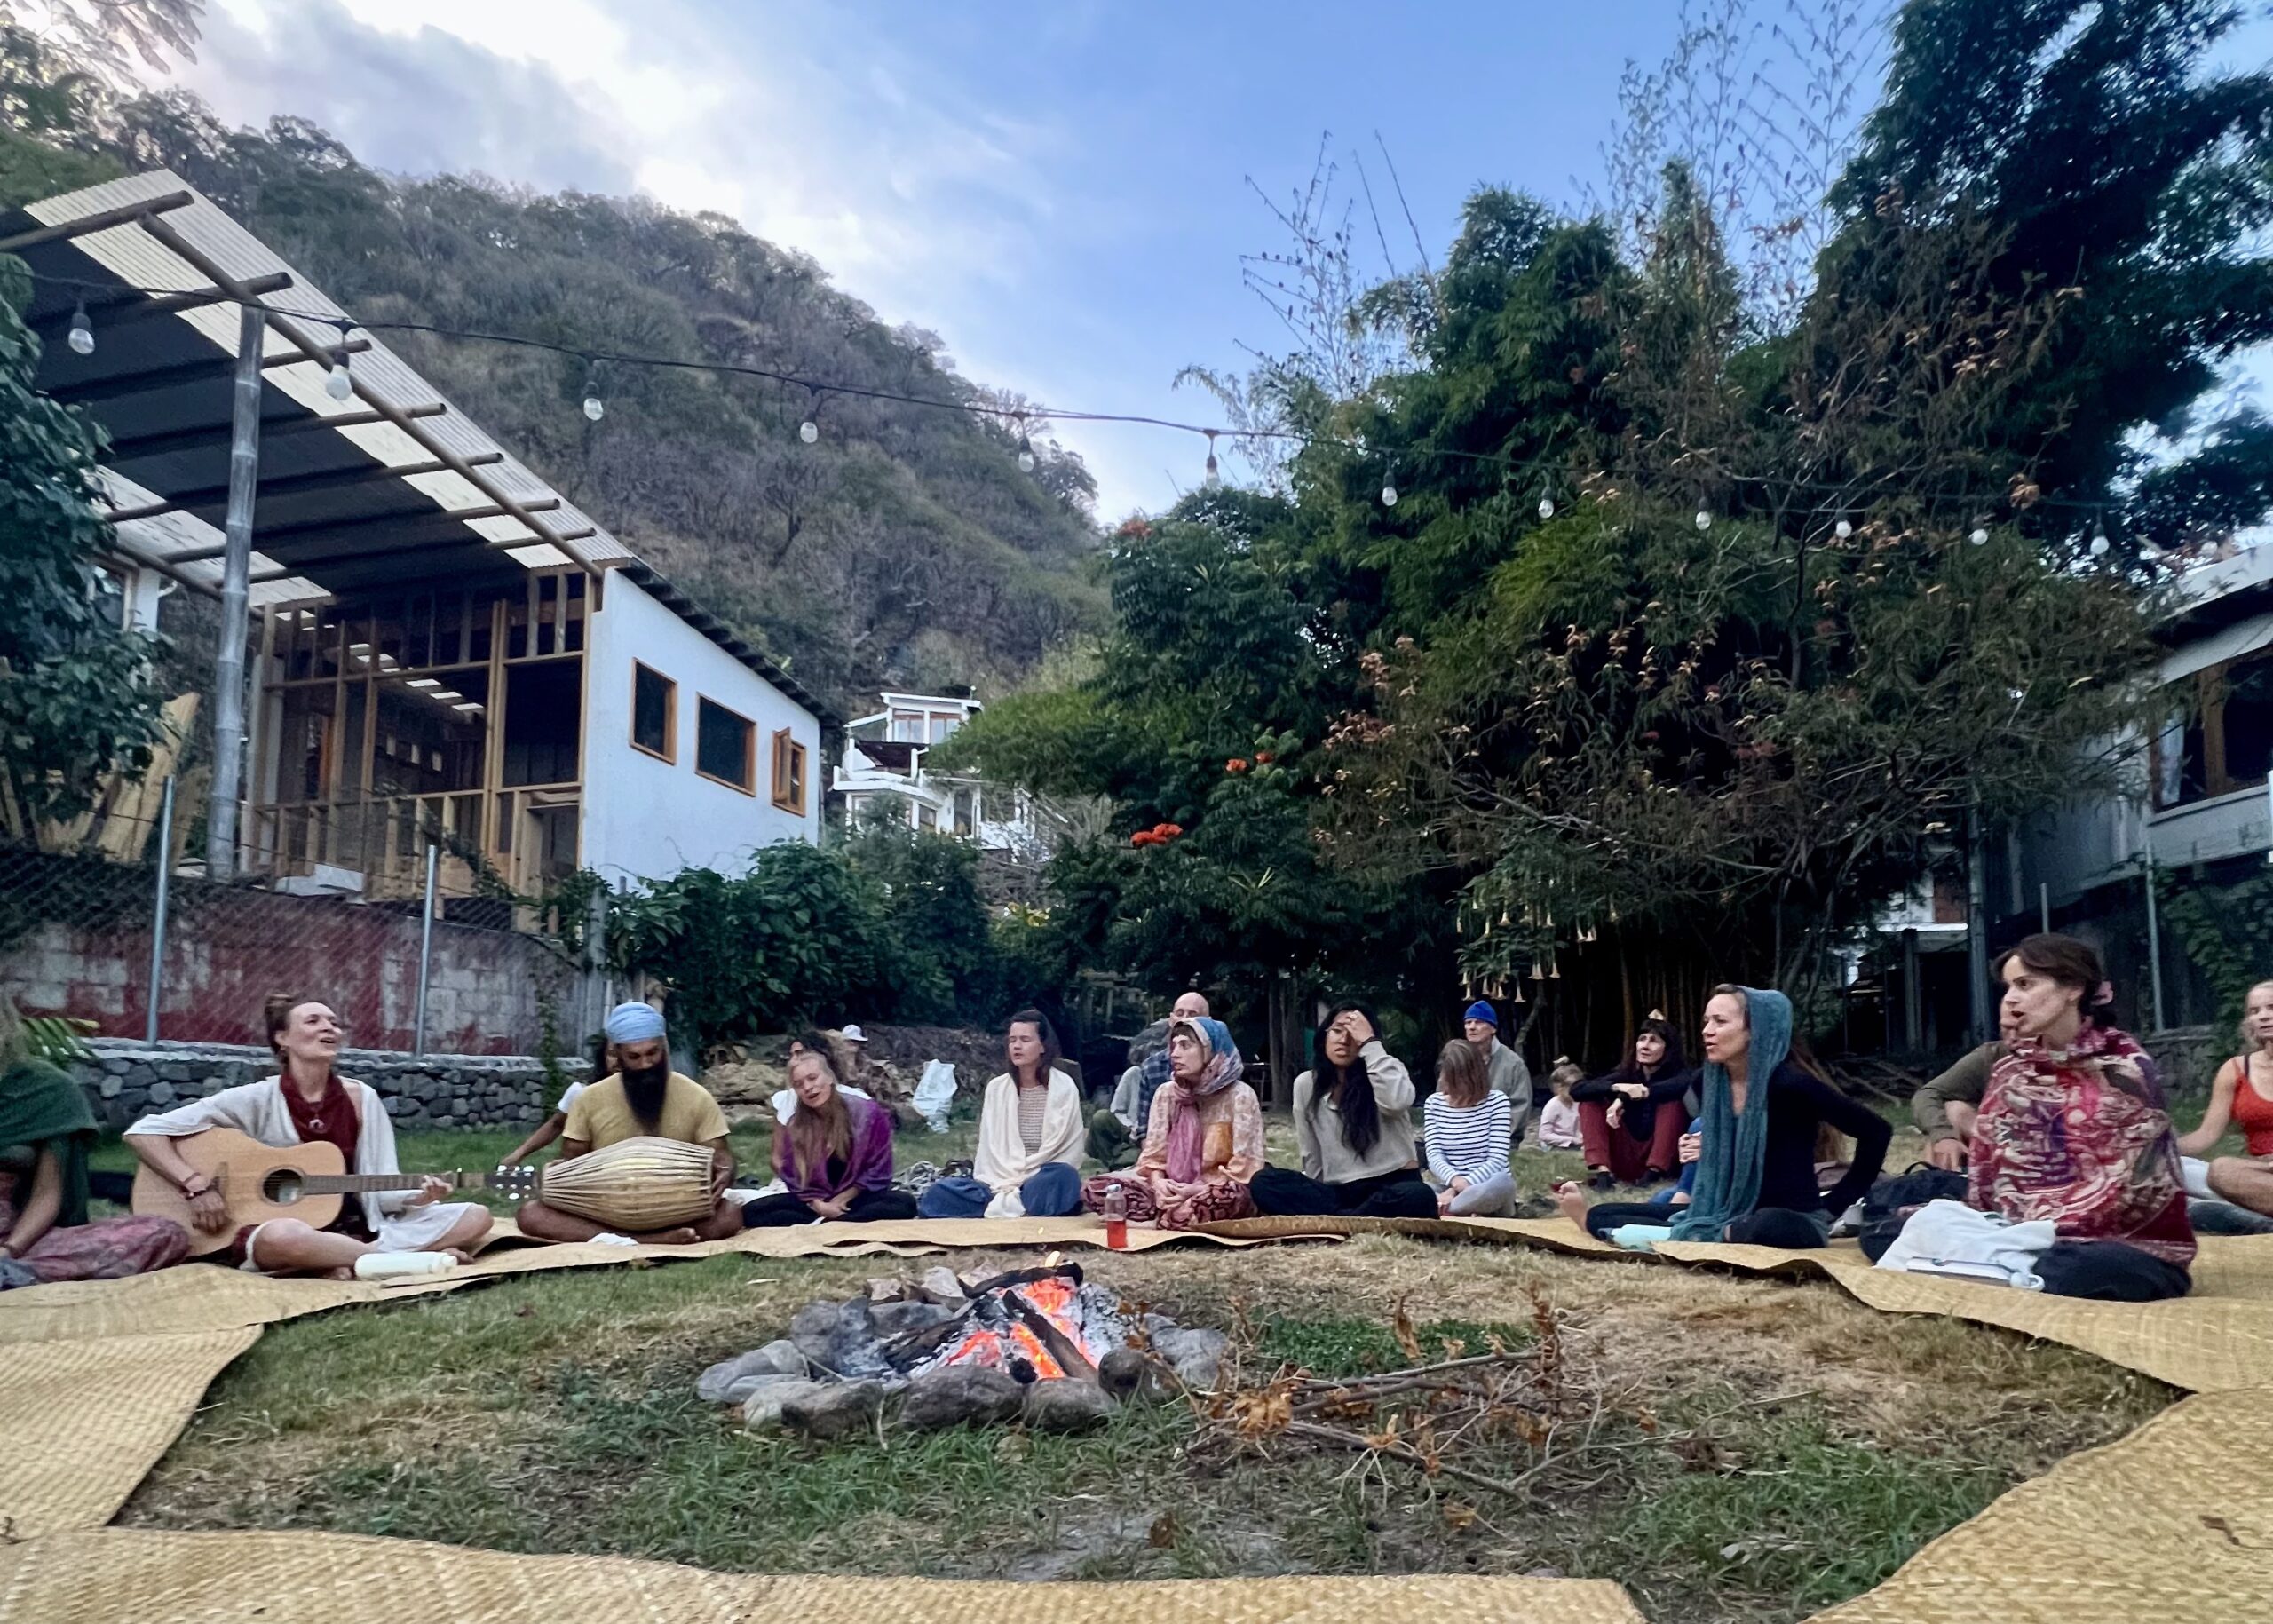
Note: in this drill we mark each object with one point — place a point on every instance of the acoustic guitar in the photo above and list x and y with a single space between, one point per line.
258 1182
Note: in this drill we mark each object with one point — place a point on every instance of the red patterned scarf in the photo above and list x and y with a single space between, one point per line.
2080 1136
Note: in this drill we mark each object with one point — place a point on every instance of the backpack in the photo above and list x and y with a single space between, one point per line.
1894 1198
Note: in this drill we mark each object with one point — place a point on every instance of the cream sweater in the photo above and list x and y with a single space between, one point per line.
1003 1162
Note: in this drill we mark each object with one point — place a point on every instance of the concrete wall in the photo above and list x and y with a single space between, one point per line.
645 817
229 949
126 1080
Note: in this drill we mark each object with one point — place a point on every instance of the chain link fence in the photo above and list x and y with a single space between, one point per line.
110 920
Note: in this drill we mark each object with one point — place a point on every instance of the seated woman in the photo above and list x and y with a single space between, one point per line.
1558 1119
1353 1120
1030 1129
1465 1125
2072 1129
45 1132
306 1102
1755 1181
2241 1096
834 1154
1638 1146
1204 1141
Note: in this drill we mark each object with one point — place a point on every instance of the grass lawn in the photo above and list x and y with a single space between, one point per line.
1782 1446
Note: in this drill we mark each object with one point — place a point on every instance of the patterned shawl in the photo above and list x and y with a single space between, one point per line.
1735 1146
1218 1070
2080 1137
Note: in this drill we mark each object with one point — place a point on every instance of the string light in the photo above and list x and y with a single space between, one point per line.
1389 491
1025 446
1842 529
1980 536
1704 520
2099 538
594 408
809 431
339 385
1546 506
82 336
1213 478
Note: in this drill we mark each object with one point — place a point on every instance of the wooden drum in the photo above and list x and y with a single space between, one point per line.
634 1185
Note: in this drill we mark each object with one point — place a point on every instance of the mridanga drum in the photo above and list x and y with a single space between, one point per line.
634 1186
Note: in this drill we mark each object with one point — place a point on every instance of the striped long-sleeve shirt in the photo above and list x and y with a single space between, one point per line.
1466 1142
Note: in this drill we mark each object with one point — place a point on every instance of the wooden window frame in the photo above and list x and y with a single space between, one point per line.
668 754
749 748
789 787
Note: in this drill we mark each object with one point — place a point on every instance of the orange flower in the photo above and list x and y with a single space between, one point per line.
1144 837
1236 764
1172 829
1262 758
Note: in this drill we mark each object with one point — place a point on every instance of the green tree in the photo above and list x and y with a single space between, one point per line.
940 958
76 699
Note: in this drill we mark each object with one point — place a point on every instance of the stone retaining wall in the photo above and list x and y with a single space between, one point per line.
2189 1055
127 1078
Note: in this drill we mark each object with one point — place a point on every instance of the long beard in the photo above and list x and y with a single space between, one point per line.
643 1091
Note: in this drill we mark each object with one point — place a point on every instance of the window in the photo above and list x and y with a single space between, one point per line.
788 774
725 746
654 713
942 725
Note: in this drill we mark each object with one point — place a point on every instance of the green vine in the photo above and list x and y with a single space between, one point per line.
2226 931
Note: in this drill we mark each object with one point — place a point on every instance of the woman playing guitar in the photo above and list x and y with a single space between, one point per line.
308 1102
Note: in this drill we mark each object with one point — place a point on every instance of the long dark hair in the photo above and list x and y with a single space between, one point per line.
1046 1031
1629 1069
1353 1089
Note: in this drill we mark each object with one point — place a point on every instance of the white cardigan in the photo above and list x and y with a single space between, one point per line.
1003 1162
258 1111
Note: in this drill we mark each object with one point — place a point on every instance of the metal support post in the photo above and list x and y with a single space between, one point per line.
425 951
2044 908
1913 1026
236 578
2154 936
1977 942
158 911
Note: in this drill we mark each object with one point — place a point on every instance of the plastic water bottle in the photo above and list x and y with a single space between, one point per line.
1116 1217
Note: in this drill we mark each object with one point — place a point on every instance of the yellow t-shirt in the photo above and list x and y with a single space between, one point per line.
602 1116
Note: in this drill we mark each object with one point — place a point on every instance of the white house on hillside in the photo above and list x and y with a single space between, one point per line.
882 767
441 644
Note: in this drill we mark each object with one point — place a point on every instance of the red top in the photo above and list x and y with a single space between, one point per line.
333 1117
2252 1112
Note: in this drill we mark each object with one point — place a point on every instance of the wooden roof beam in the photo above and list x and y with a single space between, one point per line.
86 224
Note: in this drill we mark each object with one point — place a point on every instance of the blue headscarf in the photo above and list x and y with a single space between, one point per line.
1735 1147
634 1022
1222 1068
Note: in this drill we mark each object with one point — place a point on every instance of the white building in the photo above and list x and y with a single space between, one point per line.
883 768
443 647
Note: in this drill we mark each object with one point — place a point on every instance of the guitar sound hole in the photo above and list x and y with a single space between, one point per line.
282 1188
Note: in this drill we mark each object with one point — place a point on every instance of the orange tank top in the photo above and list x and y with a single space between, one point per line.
2253 1112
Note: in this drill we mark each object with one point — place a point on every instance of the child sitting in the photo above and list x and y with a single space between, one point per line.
1558 1119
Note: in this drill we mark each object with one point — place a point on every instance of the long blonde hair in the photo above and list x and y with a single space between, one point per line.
815 1133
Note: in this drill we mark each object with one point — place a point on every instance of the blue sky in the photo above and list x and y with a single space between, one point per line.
1060 193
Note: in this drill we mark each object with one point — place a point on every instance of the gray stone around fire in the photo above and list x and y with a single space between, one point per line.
1135 1377
769 1396
834 1411
897 1319
815 1330
940 1286
958 1395
1196 1356
1065 1406
729 1382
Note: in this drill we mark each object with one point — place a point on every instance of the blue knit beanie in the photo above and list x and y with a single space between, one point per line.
1482 1011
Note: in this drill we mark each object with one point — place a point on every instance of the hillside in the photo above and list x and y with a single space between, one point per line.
903 549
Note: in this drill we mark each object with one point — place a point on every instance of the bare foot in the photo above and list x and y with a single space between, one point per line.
336 1274
1570 1201
682 1237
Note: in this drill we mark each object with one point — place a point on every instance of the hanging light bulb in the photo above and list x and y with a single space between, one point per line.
1842 529
1704 519
1546 508
1388 492
2099 537
82 336
1214 477
594 408
1025 446
339 385
809 431
1980 536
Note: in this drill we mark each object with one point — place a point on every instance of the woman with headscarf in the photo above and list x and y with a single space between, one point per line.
2073 1132
1353 1120
45 1132
1755 1181
1630 1121
1203 1143
1030 1129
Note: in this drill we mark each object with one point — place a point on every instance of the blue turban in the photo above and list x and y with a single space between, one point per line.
634 1022
1484 1012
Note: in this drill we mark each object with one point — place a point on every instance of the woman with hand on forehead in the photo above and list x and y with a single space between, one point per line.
1353 1119
306 1101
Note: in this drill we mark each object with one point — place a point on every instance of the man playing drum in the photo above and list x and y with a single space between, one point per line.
646 1099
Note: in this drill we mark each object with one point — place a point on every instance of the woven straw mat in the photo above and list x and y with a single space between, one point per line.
344 1579
82 1422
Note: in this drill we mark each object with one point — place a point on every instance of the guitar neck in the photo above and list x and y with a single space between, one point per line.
371 1184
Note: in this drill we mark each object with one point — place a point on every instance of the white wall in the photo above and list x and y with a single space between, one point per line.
646 818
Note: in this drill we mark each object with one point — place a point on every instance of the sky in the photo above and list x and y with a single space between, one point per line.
1061 193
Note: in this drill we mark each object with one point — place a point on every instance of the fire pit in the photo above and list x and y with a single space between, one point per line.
1038 1344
